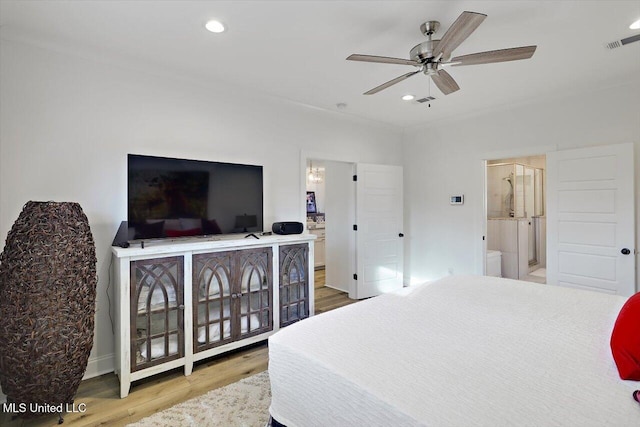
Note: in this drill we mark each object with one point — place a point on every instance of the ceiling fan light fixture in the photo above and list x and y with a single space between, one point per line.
408 98
215 26
635 25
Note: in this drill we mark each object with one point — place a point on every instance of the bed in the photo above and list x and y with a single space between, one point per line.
460 351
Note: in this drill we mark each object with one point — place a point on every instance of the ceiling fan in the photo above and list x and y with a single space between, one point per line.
430 56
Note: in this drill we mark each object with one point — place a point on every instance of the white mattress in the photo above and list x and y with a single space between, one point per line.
461 351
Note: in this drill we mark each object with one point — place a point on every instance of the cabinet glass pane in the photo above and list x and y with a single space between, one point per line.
294 280
210 317
156 316
158 322
157 298
253 271
161 344
255 284
213 288
214 283
157 287
294 295
231 290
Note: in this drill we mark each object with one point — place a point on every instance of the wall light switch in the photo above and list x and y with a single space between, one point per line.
457 200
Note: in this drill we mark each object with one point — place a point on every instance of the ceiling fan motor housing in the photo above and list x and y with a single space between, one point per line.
424 51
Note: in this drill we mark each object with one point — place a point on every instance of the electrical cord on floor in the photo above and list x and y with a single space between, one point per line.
113 328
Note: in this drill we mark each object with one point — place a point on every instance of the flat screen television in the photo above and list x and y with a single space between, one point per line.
177 197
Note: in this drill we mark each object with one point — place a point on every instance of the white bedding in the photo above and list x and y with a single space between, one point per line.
461 351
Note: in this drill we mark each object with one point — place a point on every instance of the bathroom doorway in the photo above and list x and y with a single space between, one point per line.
516 220
330 213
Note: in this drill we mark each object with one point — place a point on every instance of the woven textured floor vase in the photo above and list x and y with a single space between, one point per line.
47 305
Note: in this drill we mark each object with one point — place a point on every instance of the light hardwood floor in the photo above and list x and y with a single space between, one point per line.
101 394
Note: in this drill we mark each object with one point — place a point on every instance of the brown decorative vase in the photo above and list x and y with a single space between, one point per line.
47 306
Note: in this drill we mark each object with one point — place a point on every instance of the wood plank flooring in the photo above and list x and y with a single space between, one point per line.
101 394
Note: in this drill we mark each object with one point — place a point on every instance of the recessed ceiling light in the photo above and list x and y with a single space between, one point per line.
215 26
408 97
635 25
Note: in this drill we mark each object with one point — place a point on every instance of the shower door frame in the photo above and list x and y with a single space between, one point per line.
514 203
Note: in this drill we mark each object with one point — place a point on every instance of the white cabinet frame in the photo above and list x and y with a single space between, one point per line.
186 248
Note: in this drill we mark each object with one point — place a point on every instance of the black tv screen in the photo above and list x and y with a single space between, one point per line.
178 198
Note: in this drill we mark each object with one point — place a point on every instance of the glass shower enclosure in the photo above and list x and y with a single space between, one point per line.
516 191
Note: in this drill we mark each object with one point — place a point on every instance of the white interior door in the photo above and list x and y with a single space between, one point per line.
590 219
339 240
379 244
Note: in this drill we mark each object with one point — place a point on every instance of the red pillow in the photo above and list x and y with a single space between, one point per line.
625 340
210 226
182 233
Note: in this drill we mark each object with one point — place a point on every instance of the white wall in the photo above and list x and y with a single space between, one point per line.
67 124
446 159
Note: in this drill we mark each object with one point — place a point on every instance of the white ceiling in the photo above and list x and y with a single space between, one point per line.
296 50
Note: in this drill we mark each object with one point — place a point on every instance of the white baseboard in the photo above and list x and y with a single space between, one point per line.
99 366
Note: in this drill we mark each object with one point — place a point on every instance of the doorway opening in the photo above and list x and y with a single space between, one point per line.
516 218
330 215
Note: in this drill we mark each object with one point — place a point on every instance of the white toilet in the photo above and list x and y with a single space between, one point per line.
494 263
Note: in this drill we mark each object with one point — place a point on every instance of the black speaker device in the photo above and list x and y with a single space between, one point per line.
287 227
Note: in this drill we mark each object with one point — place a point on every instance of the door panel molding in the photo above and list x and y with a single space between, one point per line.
379 216
591 218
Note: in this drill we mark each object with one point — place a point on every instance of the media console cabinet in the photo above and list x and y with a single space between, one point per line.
181 301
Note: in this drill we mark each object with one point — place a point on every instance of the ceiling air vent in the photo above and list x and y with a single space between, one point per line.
619 43
425 99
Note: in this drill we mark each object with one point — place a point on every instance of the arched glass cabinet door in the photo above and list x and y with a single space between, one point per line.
294 283
253 297
213 276
232 292
157 325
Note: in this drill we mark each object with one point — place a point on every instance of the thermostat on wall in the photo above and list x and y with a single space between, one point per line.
457 200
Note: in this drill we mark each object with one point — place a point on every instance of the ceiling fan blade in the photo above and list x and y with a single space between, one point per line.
382 59
390 83
500 55
445 82
462 28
